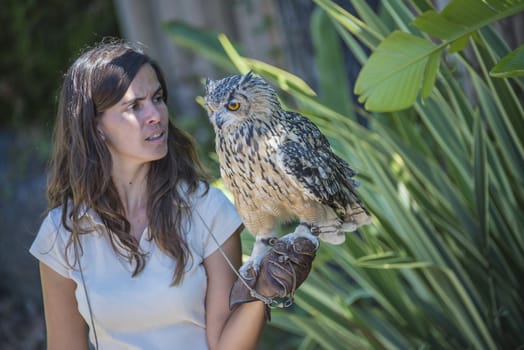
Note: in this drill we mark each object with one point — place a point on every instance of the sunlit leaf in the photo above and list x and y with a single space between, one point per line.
392 77
389 261
401 59
436 25
233 54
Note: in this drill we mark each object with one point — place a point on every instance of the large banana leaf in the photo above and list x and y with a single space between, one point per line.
399 68
404 65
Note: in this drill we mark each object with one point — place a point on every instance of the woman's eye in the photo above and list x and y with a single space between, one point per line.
159 99
133 106
233 106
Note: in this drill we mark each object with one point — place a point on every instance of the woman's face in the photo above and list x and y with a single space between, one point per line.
135 129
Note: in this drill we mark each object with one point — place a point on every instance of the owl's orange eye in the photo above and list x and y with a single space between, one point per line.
233 106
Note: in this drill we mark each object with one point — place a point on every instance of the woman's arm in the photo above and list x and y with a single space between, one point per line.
242 328
65 326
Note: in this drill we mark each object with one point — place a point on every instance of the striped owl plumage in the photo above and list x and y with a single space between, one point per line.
279 166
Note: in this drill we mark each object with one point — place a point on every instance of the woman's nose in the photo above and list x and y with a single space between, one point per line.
152 113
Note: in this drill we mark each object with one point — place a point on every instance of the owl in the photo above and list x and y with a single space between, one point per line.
279 167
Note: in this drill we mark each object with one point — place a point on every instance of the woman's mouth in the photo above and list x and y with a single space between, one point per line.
155 137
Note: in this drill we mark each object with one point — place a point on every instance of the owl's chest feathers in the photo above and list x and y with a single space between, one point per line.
248 162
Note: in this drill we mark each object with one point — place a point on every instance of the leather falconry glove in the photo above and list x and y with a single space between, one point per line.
284 268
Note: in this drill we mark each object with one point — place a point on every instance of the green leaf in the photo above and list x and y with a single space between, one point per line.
481 182
505 125
391 78
459 44
369 17
461 17
390 261
352 43
233 54
401 14
475 13
511 65
430 74
436 25
400 60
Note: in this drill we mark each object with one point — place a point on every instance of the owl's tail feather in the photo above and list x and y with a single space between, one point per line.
356 216
334 231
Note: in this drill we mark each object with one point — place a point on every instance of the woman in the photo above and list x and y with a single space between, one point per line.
128 246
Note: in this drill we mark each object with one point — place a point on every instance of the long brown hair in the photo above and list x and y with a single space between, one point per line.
80 166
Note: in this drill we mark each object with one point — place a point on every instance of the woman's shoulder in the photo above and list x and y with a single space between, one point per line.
52 226
54 217
50 242
51 230
59 219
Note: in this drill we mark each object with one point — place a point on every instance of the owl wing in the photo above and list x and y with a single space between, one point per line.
306 157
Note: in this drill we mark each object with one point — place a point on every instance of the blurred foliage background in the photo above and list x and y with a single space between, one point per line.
438 147
39 40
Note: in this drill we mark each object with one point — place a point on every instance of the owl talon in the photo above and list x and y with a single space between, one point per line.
252 263
261 247
302 230
315 230
269 241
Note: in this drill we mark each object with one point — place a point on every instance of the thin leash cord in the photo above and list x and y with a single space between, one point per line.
253 292
86 294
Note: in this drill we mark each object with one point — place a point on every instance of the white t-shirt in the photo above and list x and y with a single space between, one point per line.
142 312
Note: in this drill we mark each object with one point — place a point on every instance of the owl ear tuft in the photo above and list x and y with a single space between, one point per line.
246 77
